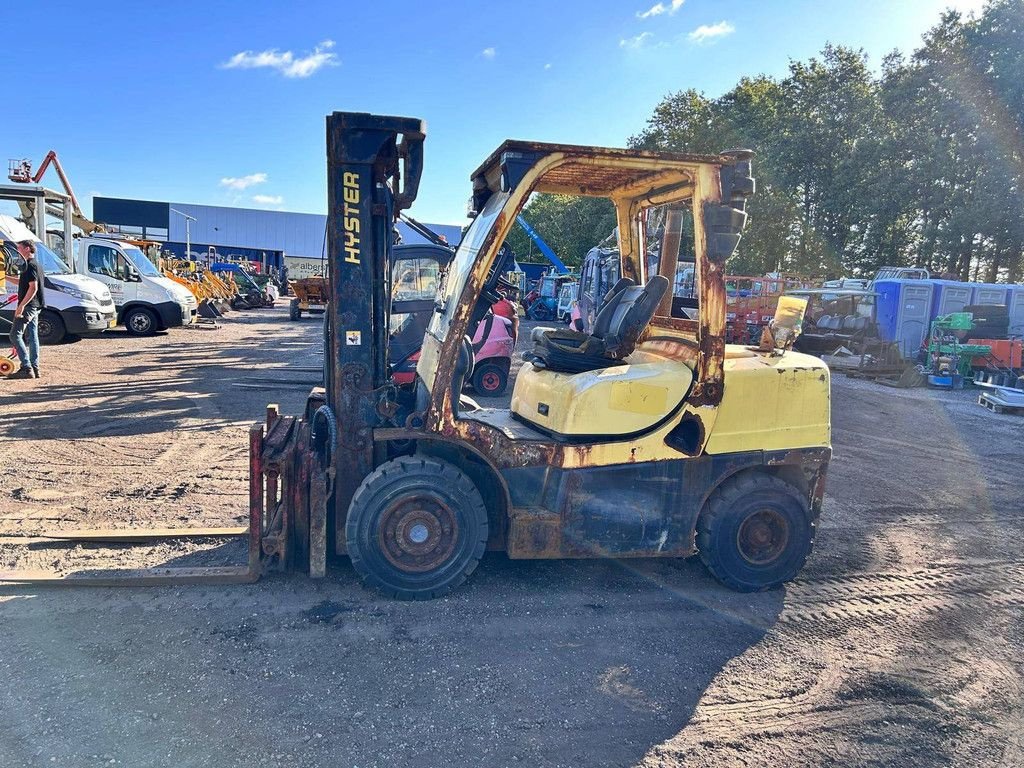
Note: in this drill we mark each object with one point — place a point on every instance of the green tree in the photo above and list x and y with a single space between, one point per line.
571 225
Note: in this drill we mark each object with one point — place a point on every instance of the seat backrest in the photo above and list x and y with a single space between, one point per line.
608 304
861 324
822 322
628 315
850 323
835 322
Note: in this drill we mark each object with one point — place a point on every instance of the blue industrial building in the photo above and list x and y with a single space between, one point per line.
269 238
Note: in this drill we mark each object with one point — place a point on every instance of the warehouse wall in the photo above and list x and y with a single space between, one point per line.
297 235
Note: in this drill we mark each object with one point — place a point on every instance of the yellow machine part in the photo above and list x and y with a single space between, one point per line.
772 403
192 287
620 400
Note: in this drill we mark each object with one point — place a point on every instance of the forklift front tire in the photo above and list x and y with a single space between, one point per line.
416 528
294 311
755 532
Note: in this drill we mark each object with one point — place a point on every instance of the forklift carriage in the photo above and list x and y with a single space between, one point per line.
649 437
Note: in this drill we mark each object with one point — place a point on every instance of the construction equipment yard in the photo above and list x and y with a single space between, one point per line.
900 643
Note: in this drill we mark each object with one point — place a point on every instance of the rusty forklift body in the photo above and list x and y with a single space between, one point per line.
681 445
631 486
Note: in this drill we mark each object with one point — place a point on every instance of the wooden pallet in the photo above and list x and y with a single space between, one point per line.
999 407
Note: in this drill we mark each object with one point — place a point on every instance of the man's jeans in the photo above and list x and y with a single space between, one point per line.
27 324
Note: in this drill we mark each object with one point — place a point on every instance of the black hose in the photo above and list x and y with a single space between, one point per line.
325 447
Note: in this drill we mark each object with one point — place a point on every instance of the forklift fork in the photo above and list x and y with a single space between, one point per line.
286 528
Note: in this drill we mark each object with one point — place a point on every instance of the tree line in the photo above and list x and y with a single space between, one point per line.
918 164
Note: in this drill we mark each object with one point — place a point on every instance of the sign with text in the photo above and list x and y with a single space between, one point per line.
300 267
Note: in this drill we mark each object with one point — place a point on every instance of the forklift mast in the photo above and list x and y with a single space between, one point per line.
374 165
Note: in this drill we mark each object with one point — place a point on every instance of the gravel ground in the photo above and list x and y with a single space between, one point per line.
900 644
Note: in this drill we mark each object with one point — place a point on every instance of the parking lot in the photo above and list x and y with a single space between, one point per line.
900 643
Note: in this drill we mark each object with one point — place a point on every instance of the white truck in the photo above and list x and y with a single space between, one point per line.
76 305
146 301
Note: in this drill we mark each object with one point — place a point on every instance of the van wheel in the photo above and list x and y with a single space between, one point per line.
490 380
51 328
139 321
416 528
755 532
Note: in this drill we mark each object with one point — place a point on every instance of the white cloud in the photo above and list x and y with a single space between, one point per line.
243 182
634 43
547 66
489 53
286 62
706 32
659 8
268 199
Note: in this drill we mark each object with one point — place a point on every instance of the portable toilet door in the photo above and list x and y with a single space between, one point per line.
904 312
914 317
1016 310
951 296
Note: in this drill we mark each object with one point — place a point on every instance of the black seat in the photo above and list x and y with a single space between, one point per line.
822 327
625 314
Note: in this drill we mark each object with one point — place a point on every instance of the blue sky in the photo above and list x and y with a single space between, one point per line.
224 103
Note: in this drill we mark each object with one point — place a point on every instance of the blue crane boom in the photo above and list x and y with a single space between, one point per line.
544 247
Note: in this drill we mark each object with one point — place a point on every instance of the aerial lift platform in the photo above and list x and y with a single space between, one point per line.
649 438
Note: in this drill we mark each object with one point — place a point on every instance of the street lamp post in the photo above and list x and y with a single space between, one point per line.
188 234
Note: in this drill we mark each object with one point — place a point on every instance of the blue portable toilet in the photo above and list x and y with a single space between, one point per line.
950 296
904 312
1015 307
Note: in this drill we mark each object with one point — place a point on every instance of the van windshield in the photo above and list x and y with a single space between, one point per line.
51 263
140 262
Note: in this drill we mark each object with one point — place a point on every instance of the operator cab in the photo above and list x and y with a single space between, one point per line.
636 362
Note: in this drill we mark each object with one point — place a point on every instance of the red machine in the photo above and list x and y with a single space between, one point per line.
415 273
751 302
1006 353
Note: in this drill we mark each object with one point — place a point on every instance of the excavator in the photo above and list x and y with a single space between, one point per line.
647 437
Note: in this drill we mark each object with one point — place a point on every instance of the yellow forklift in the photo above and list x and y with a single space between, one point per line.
649 437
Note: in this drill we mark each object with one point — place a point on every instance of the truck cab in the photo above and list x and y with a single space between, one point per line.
146 300
76 305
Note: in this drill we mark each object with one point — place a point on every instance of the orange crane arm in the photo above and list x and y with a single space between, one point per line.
51 157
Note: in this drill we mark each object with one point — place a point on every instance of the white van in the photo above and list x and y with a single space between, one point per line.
146 300
75 305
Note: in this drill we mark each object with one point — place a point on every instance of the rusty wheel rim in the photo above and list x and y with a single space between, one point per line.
418 534
762 536
491 381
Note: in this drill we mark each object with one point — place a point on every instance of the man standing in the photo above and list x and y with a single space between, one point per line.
31 300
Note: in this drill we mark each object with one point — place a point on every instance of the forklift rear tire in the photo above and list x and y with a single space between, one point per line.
755 532
416 528
294 312
490 380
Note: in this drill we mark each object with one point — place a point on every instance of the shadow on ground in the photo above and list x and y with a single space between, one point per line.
544 663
